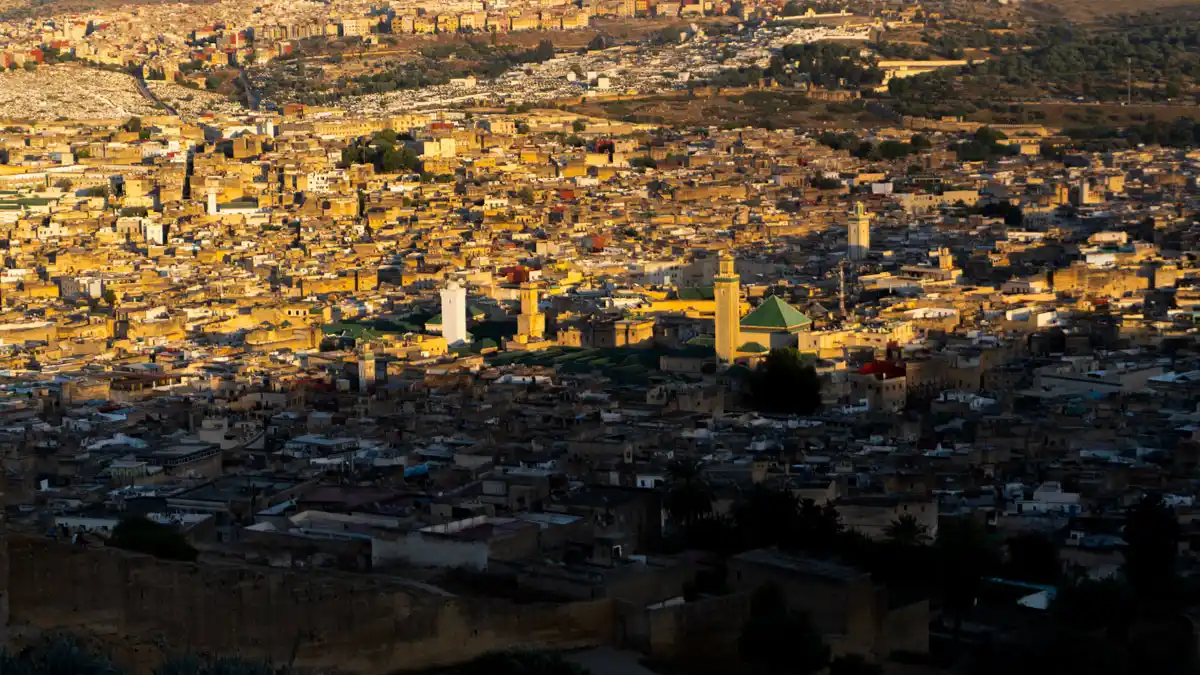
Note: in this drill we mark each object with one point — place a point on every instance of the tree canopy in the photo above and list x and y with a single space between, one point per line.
522 662
906 531
65 654
140 534
785 383
1152 534
384 151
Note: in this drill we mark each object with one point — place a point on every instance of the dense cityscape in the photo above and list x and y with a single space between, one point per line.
599 337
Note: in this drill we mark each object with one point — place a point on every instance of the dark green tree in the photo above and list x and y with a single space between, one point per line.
689 497
63 654
764 516
191 664
1033 558
56 655
1088 605
140 534
892 150
544 51
817 527
793 8
1152 535
522 662
965 557
785 383
906 531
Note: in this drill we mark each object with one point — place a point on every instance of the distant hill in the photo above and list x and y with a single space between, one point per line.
1090 10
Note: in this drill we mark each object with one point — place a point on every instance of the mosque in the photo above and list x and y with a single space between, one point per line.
772 325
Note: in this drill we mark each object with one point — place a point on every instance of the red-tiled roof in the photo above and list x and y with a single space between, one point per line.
883 369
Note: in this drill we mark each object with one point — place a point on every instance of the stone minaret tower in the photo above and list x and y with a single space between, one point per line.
727 292
859 233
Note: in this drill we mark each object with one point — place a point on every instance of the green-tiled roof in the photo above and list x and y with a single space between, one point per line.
696 293
775 314
753 348
702 341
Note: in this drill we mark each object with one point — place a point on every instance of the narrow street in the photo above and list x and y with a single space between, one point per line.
144 90
252 97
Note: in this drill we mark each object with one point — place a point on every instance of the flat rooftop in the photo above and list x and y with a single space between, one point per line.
801 565
233 488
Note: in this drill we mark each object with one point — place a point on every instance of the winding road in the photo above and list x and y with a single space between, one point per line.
149 95
252 97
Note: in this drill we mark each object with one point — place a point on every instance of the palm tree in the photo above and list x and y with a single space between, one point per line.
966 556
906 531
689 497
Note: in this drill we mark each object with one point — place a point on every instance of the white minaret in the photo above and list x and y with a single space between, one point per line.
454 313
859 233
212 184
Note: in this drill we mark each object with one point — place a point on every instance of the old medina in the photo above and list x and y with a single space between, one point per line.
600 336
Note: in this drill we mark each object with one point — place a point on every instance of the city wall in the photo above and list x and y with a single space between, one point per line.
142 609
698 637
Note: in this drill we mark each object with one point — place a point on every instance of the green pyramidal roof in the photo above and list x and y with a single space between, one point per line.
775 314
695 293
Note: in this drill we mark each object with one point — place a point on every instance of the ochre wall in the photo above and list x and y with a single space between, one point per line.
141 608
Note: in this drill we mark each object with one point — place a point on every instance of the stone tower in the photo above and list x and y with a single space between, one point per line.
531 323
454 313
859 233
366 368
727 292
212 184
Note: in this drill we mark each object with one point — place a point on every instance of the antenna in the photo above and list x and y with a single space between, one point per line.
842 287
